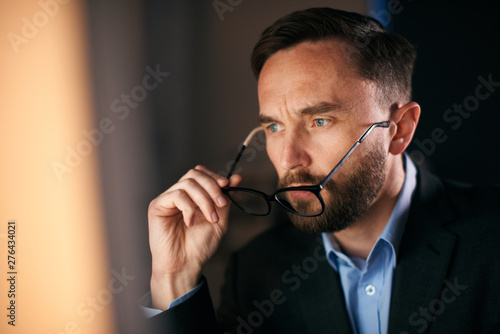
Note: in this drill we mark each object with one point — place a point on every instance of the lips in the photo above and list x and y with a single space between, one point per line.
300 195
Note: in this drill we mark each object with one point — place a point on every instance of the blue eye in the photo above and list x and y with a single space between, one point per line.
273 127
320 122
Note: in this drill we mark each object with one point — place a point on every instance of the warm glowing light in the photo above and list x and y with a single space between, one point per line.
62 280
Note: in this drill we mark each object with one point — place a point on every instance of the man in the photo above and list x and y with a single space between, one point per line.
392 249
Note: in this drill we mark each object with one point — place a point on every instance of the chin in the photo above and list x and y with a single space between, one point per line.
320 224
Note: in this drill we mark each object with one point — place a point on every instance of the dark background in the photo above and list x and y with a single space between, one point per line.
457 42
202 111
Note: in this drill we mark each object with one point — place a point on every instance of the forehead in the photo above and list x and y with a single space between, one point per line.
311 73
335 55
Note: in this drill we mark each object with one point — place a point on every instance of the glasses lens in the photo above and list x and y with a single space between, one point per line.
249 202
303 202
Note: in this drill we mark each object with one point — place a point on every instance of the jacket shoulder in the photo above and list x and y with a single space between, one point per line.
476 202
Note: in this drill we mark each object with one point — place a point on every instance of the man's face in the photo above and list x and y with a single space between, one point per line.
314 107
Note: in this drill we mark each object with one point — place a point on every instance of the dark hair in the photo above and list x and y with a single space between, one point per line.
379 55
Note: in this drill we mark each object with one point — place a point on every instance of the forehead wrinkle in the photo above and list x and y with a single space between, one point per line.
321 108
282 110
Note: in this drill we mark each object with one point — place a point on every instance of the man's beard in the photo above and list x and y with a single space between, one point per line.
345 201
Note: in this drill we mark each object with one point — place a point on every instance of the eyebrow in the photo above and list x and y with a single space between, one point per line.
320 108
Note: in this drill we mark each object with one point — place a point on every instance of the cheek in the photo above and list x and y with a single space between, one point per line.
326 151
273 152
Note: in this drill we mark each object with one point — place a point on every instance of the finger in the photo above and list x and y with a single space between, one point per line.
221 180
185 196
206 181
235 180
172 203
183 202
199 195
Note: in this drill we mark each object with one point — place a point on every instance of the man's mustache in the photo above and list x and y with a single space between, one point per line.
300 177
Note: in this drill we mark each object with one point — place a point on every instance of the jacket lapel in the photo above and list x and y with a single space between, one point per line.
423 258
320 296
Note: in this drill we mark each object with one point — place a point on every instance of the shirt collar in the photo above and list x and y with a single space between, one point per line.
394 228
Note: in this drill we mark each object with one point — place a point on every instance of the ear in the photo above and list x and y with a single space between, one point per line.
406 119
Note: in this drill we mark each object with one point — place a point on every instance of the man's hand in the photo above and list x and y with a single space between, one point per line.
186 224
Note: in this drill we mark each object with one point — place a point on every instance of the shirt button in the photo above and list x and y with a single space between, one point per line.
370 290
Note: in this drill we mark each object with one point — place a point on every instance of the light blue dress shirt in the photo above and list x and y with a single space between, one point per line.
367 284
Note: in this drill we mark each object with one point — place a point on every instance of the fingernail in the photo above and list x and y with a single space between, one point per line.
215 217
222 201
222 181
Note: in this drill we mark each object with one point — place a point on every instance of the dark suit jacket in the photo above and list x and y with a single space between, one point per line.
447 277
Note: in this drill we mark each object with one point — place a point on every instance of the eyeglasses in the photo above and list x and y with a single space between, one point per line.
305 201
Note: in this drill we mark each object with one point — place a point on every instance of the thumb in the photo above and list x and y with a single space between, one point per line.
235 180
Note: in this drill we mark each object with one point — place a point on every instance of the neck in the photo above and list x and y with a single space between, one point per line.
359 238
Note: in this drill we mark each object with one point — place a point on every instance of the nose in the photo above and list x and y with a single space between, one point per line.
294 153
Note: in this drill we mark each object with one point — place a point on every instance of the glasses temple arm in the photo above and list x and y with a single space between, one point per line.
336 168
374 125
235 162
356 144
243 147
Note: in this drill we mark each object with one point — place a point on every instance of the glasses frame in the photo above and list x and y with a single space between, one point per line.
315 189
